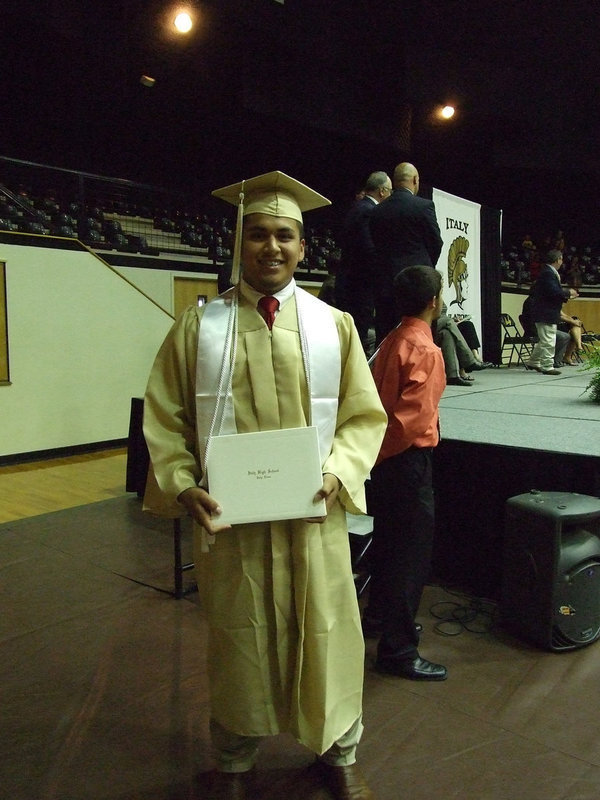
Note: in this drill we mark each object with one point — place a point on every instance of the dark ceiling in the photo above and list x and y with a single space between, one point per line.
325 89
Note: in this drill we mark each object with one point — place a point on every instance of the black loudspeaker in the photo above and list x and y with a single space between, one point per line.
551 569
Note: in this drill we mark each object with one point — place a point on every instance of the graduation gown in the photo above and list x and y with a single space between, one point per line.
286 651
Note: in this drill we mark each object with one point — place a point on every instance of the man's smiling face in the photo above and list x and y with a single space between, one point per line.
271 250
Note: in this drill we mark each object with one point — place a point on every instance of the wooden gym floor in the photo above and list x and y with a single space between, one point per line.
53 485
104 687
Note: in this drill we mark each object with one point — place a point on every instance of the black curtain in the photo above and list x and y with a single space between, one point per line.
491 284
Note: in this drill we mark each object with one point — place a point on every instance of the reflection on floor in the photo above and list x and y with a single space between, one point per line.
104 688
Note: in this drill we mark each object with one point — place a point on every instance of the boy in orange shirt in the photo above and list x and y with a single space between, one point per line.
410 378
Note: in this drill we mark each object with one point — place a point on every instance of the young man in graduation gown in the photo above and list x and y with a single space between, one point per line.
410 377
285 646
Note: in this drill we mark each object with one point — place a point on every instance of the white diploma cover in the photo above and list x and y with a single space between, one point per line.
266 476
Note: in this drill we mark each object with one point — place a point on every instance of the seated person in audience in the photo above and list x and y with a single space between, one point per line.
573 273
459 360
469 332
573 327
525 319
535 265
560 348
528 246
327 291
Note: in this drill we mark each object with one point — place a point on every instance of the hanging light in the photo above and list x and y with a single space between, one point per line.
183 22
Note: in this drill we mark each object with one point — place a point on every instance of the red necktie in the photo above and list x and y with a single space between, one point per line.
267 306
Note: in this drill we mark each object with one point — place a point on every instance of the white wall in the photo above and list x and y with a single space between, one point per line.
81 343
156 283
159 284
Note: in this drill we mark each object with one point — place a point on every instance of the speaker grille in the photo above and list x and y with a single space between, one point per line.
577 610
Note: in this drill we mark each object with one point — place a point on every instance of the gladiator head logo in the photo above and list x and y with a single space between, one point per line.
457 269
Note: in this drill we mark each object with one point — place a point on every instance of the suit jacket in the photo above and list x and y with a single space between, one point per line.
547 297
405 232
356 263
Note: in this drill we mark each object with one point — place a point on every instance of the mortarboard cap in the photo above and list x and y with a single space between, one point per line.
273 193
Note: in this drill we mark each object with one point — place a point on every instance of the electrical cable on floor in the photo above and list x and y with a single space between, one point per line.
474 614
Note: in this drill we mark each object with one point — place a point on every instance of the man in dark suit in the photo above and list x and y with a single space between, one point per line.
405 233
547 298
354 279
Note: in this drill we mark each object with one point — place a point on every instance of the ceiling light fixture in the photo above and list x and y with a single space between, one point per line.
183 22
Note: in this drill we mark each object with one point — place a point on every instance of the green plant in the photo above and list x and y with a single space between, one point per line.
593 362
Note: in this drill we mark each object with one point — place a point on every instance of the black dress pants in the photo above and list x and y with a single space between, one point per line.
402 505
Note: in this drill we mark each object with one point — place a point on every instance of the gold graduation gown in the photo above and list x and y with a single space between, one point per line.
286 651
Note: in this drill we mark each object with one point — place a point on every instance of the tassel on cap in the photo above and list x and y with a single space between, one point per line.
237 245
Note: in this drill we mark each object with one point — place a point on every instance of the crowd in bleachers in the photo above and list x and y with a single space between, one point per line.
522 262
105 223
138 219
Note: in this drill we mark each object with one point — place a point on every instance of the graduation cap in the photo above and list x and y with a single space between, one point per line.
273 193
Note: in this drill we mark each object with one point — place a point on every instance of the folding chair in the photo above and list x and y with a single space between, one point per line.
138 461
179 566
359 544
514 342
589 341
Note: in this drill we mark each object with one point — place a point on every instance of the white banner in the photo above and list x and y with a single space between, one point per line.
460 261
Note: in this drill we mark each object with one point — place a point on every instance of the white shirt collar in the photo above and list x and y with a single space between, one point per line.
555 270
253 296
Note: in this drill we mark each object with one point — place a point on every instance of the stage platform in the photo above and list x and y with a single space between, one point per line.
512 431
514 407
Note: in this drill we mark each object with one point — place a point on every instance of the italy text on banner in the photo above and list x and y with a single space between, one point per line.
459 262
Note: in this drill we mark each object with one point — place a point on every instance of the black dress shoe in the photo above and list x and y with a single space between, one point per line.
226 786
345 783
531 368
415 669
458 381
477 365
551 371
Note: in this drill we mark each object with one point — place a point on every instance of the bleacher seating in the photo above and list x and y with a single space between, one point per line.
123 218
111 214
520 265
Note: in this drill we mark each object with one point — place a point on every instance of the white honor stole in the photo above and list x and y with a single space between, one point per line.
217 338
